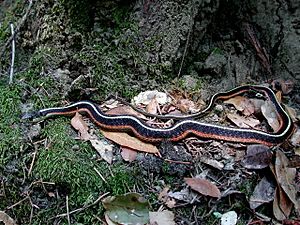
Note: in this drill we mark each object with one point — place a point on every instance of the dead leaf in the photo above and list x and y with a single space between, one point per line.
6 219
282 206
212 162
257 157
286 86
128 154
145 97
203 186
263 193
286 177
104 149
229 218
295 139
186 106
185 195
126 140
292 112
294 162
164 193
79 124
242 121
162 218
269 112
152 106
242 104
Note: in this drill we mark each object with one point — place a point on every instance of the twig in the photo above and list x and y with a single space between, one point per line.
68 212
19 202
32 162
101 176
184 51
13 48
22 20
82 208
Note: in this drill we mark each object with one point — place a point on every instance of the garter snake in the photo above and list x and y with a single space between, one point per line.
186 127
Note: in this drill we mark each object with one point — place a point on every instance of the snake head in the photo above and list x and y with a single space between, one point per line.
32 115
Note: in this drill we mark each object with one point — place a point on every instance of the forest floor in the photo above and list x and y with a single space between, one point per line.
59 170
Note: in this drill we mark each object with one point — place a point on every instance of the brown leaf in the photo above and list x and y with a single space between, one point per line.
203 186
128 154
294 161
152 106
286 177
282 206
263 193
126 140
6 219
242 104
269 112
243 122
186 105
257 157
286 86
79 124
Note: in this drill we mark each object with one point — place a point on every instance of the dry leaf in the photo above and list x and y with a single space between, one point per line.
257 157
146 97
152 106
212 162
263 193
162 218
203 186
242 104
186 106
282 206
243 122
126 140
286 177
104 149
6 219
286 86
295 139
292 112
185 195
128 154
79 124
270 114
229 218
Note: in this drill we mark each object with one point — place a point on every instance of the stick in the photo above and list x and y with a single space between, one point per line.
68 211
82 208
13 48
22 20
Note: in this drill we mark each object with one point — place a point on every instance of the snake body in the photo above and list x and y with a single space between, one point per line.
186 127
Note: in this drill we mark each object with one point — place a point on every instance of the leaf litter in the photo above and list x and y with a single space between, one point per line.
258 157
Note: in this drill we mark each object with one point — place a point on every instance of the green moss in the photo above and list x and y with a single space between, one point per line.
66 165
10 134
